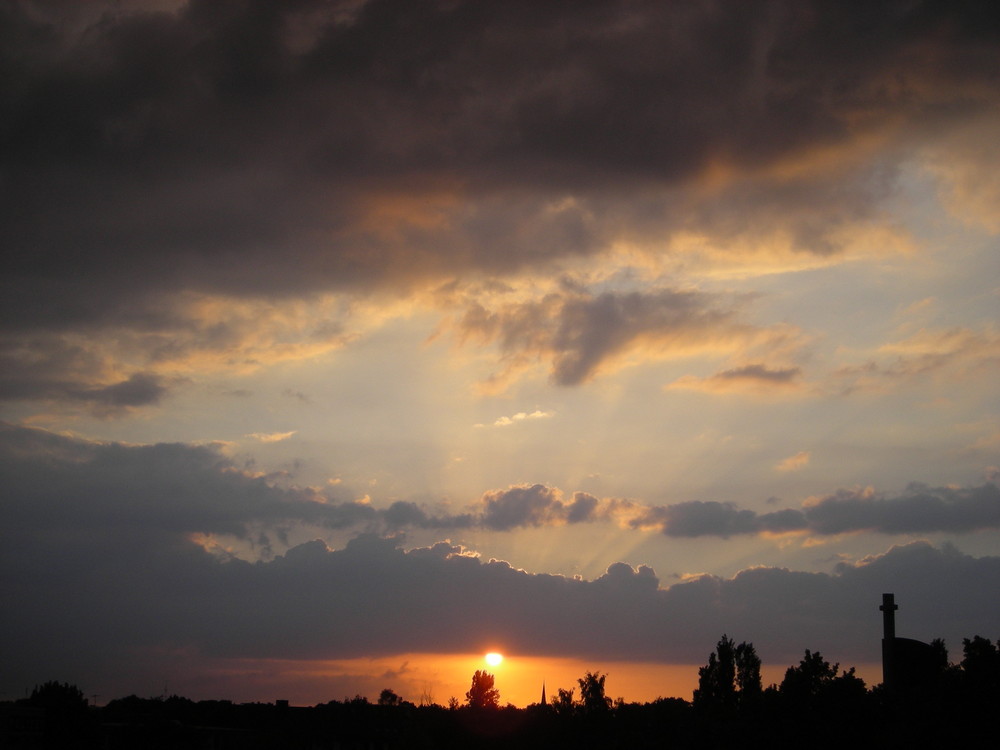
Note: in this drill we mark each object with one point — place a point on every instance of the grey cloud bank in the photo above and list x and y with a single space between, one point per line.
99 561
185 488
920 509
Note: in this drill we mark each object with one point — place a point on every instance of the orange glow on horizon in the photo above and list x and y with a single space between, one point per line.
435 678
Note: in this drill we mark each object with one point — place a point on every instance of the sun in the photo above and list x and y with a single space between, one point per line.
494 659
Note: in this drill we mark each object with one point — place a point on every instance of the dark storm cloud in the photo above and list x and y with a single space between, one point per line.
272 147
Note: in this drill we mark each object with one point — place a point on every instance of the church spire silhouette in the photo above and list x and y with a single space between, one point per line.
544 703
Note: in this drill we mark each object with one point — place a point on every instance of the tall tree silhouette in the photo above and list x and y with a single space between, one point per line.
592 697
731 677
482 694
981 665
563 702
748 684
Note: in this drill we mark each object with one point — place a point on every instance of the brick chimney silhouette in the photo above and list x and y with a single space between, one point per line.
889 608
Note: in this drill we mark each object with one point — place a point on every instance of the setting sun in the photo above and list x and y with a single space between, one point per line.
494 659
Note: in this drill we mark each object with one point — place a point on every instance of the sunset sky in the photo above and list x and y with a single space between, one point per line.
344 342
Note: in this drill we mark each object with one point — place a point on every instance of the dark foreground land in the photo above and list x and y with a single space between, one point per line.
815 706
668 723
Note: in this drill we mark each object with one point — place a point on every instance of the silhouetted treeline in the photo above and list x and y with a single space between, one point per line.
817 704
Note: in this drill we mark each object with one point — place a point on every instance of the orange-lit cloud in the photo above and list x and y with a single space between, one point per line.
954 354
964 165
519 417
794 463
270 437
482 171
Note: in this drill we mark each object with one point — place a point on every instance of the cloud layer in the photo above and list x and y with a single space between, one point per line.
110 553
182 488
281 150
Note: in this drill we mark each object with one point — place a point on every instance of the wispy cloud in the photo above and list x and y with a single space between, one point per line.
521 416
793 463
956 353
754 377
270 437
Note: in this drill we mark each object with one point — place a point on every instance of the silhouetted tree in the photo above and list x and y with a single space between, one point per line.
937 675
807 679
940 654
563 703
717 679
482 694
846 688
58 699
65 713
815 683
981 665
592 697
731 677
388 697
747 673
